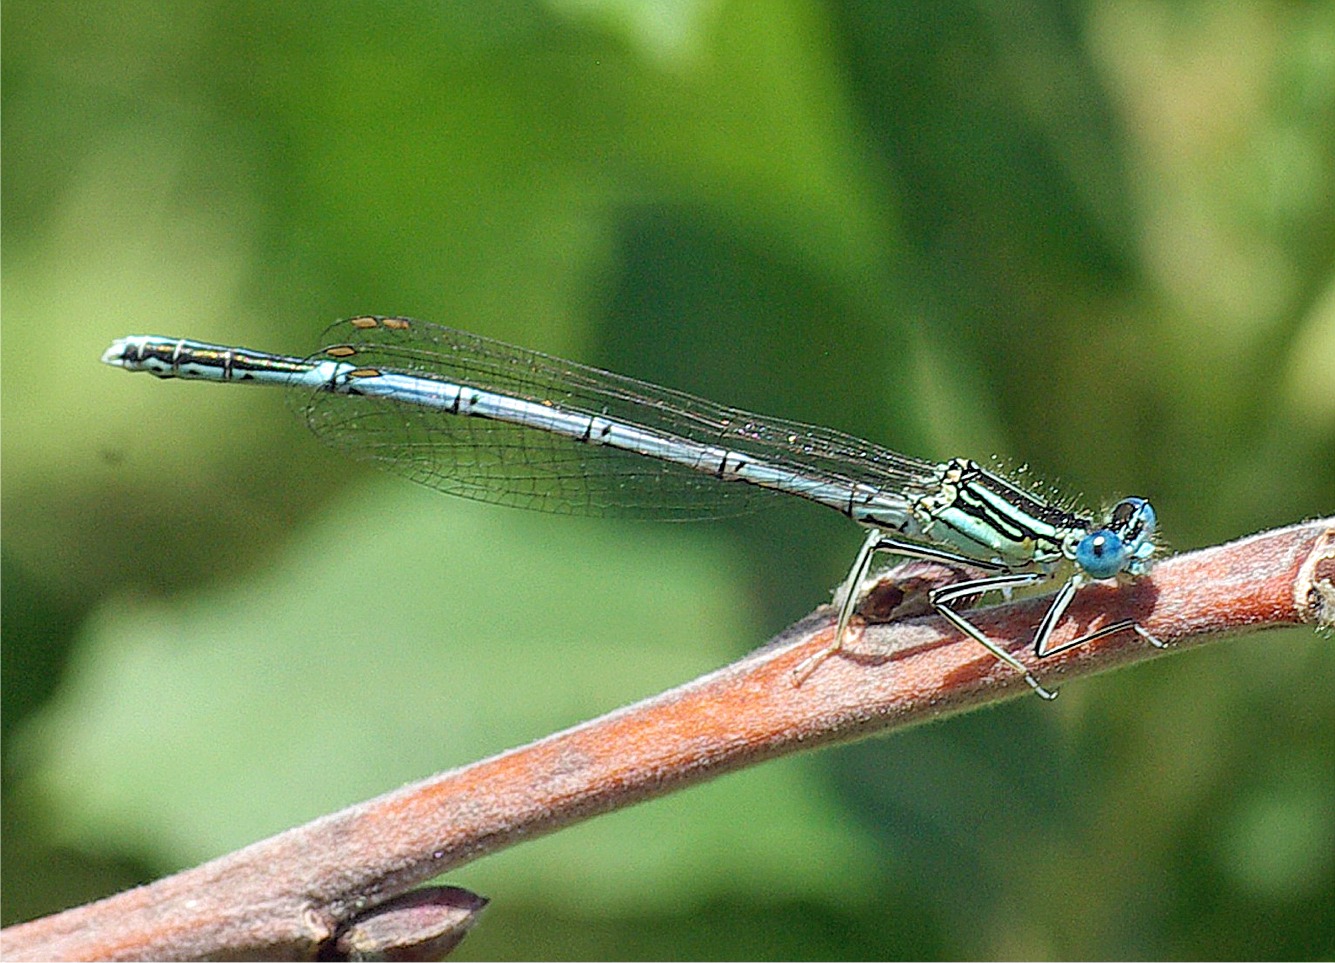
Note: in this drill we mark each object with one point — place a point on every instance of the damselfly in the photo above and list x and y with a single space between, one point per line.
486 420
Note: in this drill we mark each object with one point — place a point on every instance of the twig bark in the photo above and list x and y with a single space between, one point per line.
291 896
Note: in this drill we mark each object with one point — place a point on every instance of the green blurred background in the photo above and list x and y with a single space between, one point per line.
1095 237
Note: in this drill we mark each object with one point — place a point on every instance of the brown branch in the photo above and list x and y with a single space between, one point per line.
291 896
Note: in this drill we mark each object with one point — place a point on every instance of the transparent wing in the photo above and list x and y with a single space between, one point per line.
495 461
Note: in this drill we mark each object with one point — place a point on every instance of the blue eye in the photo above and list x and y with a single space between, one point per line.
1126 544
1102 554
1134 519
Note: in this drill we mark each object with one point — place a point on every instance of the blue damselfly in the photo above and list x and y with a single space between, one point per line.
486 420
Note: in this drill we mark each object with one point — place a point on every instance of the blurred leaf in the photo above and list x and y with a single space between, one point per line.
361 661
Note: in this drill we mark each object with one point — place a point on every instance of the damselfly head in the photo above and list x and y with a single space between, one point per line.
1125 544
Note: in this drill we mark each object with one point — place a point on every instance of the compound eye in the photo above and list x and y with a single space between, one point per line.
1102 554
1134 518
1134 521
